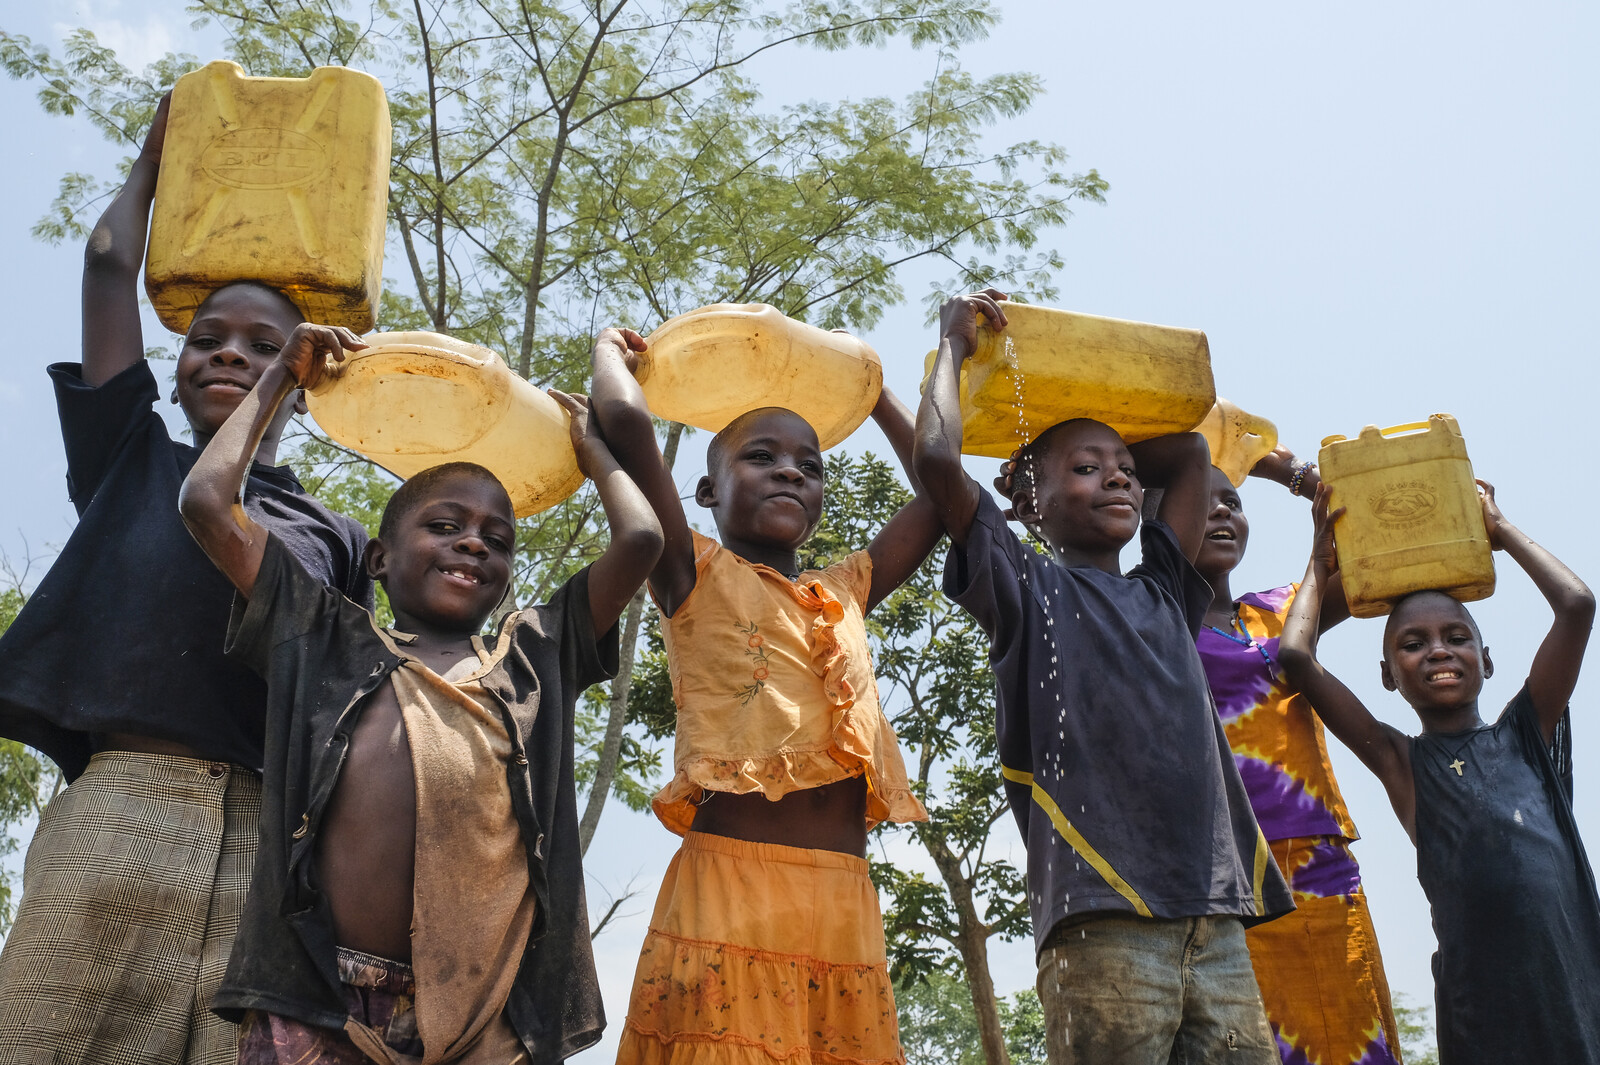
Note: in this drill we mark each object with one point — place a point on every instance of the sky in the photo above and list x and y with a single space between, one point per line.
1375 211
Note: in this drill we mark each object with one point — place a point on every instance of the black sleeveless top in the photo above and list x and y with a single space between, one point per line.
1517 973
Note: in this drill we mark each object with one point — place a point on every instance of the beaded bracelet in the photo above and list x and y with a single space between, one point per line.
1299 477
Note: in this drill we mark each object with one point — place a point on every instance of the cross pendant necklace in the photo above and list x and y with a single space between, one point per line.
1457 764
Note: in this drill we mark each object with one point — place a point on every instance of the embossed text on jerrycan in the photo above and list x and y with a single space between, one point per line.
1238 439
414 400
1048 366
708 366
1413 519
279 180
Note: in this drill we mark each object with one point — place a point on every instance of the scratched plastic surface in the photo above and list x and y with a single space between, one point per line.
1413 519
708 366
1238 439
414 400
280 180
1049 365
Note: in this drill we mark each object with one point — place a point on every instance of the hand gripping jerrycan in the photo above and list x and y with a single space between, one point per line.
279 180
1413 518
1238 439
1048 366
708 366
414 400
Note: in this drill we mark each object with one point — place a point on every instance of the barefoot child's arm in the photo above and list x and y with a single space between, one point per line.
1381 748
635 534
1555 667
937 459
212 498
624 420
906 539
1179 465
112 337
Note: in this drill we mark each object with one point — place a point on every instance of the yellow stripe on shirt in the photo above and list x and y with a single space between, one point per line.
1081 845
1263 856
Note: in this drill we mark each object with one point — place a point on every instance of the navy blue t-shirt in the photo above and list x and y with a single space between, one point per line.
1115 763
125 632
1517 974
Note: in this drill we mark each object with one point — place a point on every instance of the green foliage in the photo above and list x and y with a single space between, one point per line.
26 781
937 1023
1417 1043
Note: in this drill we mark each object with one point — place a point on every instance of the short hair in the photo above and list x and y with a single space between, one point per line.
292 306
1032 455
1390 623
717 450
409 495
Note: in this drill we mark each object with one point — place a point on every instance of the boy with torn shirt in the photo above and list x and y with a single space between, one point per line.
1144 857
418 895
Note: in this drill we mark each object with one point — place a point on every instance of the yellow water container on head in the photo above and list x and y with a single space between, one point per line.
1413 519
708 366
410 401
1238 439
279 180
1048 366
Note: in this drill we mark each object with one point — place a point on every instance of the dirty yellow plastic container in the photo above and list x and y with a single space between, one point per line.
1050 365
1238 439
414 400
278 180
708 366
1413 518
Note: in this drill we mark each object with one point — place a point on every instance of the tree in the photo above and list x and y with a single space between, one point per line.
27 782
561 165
937 1023
1417 1043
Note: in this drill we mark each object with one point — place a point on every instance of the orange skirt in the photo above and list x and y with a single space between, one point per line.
759 953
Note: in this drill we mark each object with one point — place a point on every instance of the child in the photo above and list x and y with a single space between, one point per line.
419 895
1489 807
767 940
1320 972
136 876
1102 702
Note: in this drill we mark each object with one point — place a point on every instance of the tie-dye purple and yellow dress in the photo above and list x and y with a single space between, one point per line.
1319 969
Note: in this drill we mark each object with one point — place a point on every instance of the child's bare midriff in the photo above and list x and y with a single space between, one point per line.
830 818
366 851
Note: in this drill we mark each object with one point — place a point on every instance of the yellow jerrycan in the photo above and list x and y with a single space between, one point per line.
279 180
1413 519
708 366
1048 366
1238 439
414 400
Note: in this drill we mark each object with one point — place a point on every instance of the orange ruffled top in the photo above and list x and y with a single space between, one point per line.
775 690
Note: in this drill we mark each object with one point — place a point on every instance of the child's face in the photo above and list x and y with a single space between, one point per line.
447 563
238 332
1087 496
768 489
1227 531
1432 654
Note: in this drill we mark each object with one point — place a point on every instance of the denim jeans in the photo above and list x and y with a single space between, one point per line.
1139 991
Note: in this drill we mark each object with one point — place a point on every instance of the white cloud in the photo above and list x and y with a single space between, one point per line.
139 33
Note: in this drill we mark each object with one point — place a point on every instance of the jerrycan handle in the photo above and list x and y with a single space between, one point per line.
1408 427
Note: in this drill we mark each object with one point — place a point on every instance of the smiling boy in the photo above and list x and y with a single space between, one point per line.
1143 853
419 891
1489 807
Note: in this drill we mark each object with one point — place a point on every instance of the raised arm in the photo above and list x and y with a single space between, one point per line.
635 533
1555 666
112 337
1382 748
212 498
618 406
906 539
1180 466
1302 478
937 451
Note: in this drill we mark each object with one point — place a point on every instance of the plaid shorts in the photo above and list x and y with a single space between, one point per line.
131 894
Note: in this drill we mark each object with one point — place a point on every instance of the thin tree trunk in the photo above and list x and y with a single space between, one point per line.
605 770
973 945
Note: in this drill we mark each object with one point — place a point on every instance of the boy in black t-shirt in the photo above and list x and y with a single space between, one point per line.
419 875
1489 807
1143 852
136 876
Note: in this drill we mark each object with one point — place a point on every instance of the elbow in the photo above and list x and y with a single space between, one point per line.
1297 662
106 256
640 544
1576 605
